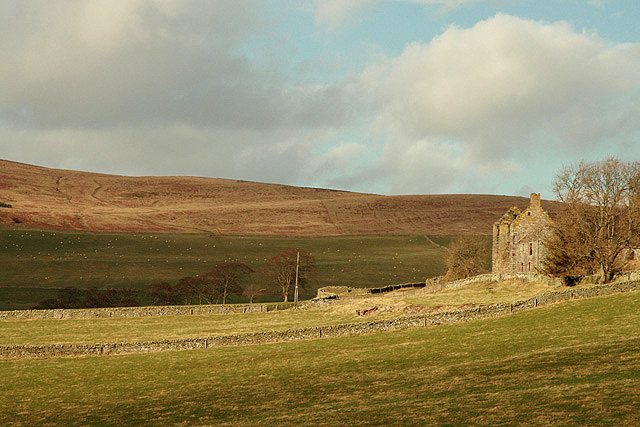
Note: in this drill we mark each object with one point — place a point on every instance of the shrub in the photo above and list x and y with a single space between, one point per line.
71 297
466 258
5 205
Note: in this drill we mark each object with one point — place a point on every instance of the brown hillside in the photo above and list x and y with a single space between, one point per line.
74 200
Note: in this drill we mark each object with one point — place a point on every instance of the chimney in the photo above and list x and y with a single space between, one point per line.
535 200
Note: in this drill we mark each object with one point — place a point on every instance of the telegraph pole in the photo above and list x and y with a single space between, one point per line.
295 293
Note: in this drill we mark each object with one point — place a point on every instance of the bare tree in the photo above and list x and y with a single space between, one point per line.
226 277
209 288
252 290
467 257
280 270
162 293
187 287
600 218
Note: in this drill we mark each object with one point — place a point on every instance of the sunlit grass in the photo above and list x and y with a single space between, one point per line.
568 364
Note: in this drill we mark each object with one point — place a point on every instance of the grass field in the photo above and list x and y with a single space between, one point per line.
33 263
574 363
110 330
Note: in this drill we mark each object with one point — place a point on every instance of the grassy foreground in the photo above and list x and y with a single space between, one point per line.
574 363
33 263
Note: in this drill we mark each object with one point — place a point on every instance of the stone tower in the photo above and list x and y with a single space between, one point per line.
518 239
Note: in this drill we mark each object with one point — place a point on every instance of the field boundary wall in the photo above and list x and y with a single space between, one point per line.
328 292
147 311
434 284
359 328
438 283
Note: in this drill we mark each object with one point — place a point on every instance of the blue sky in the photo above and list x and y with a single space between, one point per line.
382 96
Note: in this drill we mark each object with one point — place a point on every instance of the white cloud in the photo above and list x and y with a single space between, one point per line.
449 4
102 64
330 13
597 3
418 164
169 149
339 156
502 90
163 87
155 87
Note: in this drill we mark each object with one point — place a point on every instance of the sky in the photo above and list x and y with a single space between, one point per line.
376 96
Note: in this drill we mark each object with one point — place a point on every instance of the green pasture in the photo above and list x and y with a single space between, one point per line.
111 330
35 262
569 364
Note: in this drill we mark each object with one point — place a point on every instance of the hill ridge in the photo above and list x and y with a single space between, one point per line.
75 200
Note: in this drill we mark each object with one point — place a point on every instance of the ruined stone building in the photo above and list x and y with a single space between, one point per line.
517 239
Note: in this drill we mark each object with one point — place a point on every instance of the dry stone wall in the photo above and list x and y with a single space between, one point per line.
170 310
431 319
341 291
346 291
439 283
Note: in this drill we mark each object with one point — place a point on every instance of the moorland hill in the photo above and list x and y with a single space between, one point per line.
73 200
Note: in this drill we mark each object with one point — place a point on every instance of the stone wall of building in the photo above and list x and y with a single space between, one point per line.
501 257
518 239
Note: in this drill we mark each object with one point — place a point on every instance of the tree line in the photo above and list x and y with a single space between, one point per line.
215 286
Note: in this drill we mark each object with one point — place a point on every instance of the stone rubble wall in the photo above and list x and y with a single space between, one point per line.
494 277
169 310
346 291
341 291
359 328
436 283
